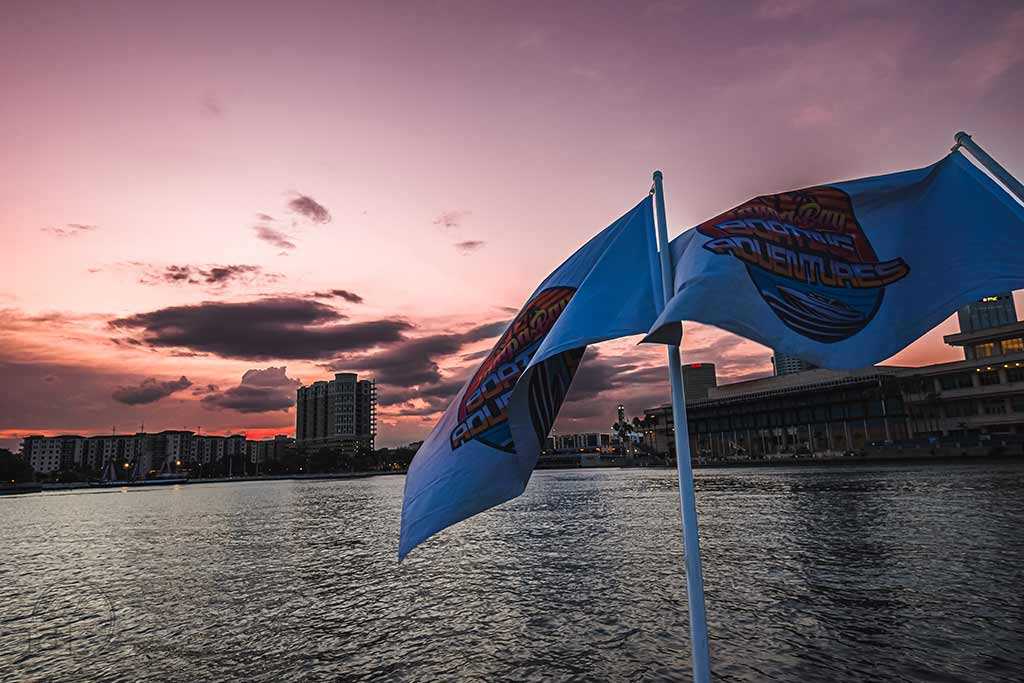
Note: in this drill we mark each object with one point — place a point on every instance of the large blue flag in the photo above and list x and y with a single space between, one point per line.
847 274
486 444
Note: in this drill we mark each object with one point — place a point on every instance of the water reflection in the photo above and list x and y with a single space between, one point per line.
908 573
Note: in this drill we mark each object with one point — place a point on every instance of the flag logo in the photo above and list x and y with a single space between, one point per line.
483 411
809 259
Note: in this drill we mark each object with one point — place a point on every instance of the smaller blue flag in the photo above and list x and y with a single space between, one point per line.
486 444
846 275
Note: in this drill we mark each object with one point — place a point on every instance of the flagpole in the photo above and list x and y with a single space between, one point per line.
687 501
990 164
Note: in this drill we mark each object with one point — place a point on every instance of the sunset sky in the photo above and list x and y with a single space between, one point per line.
204 204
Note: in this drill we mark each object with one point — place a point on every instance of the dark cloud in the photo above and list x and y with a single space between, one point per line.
274 237
602 382
414 362
265 217
279 327
410 371
469 246
435 397
149 391
260 391
310 208
451 219
69 229
348 296
220 274
476 355
203 389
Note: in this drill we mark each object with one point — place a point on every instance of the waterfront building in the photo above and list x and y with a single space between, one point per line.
337 414
831 412
179 448
698 379
813 411
786 364
268 450
587 441
47 454
982 395
177 445
990 311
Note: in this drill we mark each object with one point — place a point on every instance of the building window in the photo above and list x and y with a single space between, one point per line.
985 350
989 378
1015 375
915 386
958 381
1013 345
1017 403
960 409
995 407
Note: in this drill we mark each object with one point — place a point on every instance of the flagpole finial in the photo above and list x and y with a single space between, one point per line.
961 138
657 175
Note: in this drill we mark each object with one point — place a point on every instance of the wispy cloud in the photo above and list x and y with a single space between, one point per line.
812 115
348 296
469 246
310 208
210 105
451 219
210 276
68 229
274 237
783 9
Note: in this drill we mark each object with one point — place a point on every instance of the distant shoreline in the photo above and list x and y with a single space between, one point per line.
79 485
878 459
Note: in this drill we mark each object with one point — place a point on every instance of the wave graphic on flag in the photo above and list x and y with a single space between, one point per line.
815 315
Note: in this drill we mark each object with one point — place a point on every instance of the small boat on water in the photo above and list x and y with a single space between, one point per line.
137 477
164 478
108 479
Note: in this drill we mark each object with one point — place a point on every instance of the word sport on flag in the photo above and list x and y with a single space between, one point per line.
847 274
484 448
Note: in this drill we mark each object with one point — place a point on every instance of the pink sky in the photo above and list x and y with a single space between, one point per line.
198 172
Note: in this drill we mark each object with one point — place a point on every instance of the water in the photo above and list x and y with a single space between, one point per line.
812 574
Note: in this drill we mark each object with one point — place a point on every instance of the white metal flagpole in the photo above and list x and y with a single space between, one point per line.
990 164
687 502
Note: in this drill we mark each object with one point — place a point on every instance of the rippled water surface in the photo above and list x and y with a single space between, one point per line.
812 574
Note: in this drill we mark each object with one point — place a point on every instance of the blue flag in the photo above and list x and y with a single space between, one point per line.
848 274
486 444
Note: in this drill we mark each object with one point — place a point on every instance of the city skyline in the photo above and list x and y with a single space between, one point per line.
196 237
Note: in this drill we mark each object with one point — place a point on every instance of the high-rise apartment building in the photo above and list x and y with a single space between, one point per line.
990 311
339 413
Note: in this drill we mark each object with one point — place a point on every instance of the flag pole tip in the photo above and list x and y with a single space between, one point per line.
961 139
657 175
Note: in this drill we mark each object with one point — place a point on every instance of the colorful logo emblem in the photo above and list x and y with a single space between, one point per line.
809 258
483 411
